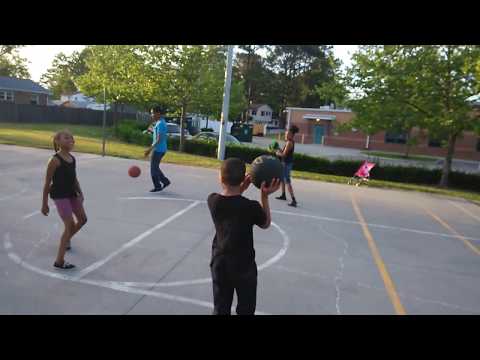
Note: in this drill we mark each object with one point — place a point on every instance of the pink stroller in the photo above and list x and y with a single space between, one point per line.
362 175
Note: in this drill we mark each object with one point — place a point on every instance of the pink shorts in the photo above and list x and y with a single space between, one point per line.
67 206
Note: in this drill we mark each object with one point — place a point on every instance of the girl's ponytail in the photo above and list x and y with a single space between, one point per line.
55 145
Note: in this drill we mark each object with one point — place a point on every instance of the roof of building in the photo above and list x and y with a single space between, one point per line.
320 109
75 104
256 106
475 100
26 85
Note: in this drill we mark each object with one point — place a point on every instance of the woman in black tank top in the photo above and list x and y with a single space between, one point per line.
62 185
286 156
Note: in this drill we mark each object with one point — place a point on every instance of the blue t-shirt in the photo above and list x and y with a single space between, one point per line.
160 128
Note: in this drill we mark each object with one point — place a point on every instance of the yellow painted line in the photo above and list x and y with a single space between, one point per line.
473 216
382 268
454 232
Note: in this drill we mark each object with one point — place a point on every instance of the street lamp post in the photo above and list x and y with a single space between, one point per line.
104 120
226 104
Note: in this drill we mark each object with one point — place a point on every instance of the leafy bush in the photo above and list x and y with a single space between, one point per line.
131 132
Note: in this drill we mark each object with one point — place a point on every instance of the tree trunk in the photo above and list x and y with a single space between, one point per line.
182 126
448 160
407 150
206 125
408 145
115 119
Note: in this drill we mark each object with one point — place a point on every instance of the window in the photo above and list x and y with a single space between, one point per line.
478 144
173 129
395 138
436 142
6 96
34 100
263 113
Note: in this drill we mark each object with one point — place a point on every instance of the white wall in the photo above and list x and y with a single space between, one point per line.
78 97
258 117
215 125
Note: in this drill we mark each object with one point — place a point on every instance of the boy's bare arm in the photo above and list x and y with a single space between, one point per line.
265 192
266 209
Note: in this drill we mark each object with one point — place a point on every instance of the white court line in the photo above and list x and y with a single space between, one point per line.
281 253
159 198
134 241
38 212
28 216
41 168
458 206
107 284
373 225
320 218
14 195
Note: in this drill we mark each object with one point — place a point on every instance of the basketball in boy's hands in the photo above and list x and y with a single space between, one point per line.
134 171
265 168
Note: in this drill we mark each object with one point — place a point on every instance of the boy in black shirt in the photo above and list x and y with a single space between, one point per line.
233 264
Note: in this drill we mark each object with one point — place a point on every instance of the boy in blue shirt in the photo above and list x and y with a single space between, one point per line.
159 147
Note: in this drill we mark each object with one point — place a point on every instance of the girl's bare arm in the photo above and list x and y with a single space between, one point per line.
51 167
286 150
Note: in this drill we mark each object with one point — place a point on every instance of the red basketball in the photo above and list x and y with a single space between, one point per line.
134 171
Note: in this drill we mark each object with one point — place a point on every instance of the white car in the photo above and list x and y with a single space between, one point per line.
213 136
173 130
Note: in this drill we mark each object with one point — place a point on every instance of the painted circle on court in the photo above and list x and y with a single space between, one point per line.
269 262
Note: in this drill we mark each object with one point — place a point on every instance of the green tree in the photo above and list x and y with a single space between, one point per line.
335 90
185 76
322 71
119 69
249 67
427 87
207 97
298 68
11 63
60 77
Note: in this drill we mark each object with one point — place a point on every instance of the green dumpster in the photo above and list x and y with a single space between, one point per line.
243 132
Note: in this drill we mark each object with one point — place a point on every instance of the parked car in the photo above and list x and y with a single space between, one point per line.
213 136
173 130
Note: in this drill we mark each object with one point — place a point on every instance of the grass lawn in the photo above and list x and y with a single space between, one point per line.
399 156
88 139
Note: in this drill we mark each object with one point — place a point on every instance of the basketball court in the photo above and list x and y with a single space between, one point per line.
344 250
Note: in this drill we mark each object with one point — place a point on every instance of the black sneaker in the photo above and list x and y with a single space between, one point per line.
293 203
64 266
282 197
156 190
166 184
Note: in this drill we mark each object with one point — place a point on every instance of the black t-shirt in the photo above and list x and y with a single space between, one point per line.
234 217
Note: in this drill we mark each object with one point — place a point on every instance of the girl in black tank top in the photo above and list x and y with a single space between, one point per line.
63 181
288 158
62 185
286 155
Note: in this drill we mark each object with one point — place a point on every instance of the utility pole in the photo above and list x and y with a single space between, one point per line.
226 104
104 119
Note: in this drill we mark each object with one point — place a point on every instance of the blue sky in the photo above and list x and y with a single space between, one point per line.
40 56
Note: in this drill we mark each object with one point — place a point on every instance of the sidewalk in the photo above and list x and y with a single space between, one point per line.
335 153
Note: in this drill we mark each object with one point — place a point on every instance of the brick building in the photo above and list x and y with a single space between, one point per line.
317 126
22 91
